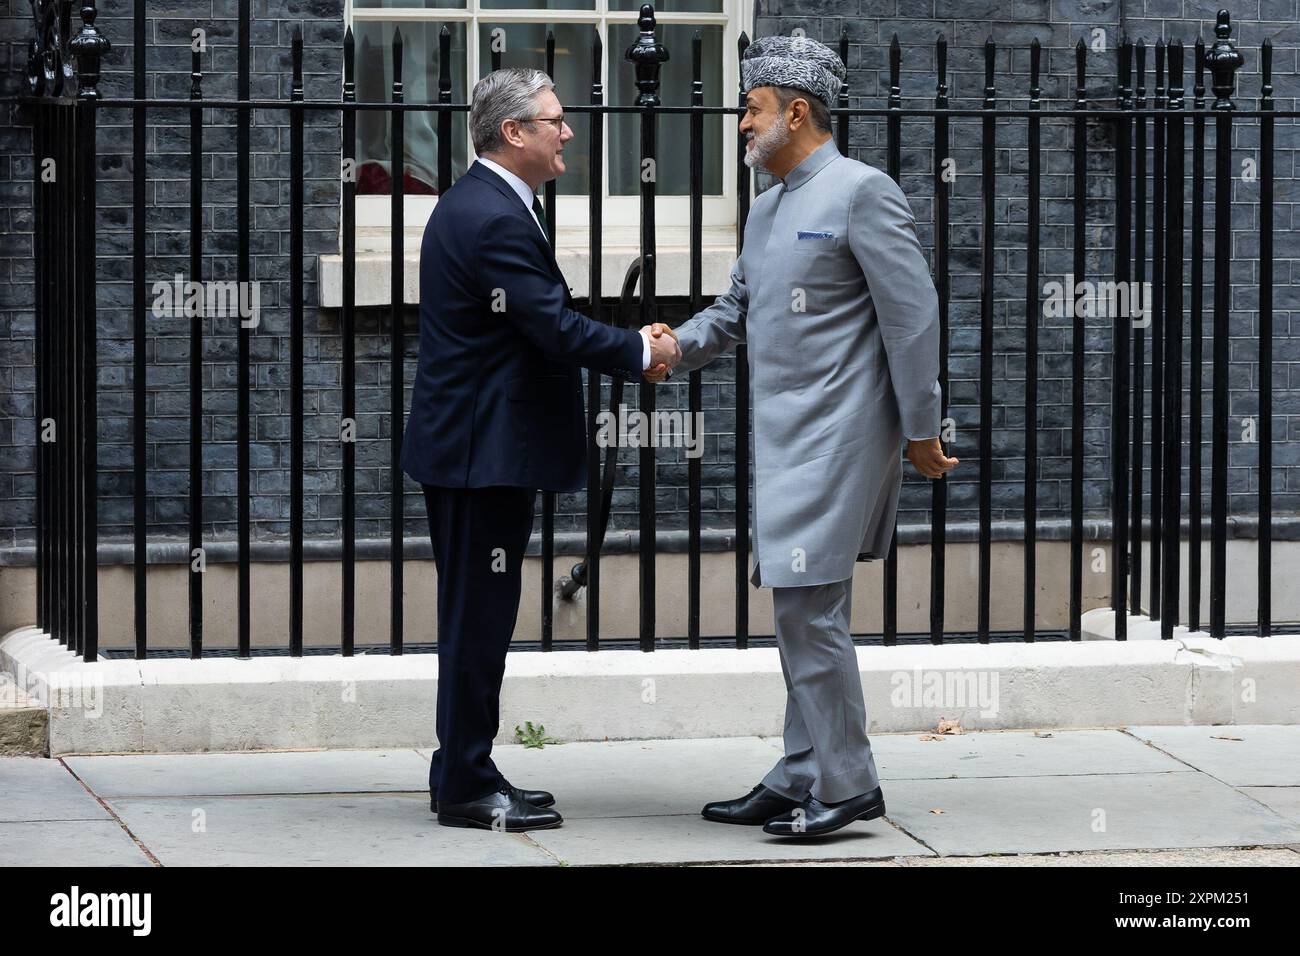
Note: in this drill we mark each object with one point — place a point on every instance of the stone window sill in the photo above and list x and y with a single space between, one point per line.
620 247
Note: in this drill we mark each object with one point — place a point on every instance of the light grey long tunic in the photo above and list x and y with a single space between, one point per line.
833 296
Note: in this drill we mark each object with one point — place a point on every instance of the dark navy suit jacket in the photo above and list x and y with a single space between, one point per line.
498 396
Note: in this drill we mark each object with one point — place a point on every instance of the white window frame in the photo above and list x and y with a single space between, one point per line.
374 212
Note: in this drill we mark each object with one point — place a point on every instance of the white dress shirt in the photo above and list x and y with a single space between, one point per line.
526 196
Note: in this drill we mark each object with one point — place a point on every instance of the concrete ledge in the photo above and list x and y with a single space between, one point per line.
281 703
24 723
1247 677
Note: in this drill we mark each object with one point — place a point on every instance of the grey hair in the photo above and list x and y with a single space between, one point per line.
821 116
499 96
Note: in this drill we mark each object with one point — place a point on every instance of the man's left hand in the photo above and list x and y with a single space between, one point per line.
926 455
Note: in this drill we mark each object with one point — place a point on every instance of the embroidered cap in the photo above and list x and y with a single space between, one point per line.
798 61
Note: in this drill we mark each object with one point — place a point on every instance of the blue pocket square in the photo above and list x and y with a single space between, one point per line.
801 234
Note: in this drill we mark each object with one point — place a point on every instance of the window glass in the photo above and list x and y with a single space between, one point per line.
374 82
674 131
524 45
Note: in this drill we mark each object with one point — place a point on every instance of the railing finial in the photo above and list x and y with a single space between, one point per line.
88 46
1175 53
1224 60
646 55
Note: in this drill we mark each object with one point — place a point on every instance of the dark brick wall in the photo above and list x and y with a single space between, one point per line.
17 410
870 23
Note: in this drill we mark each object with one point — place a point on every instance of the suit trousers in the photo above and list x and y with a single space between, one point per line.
827 752
479 536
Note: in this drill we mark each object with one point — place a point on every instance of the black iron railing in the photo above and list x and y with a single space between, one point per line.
64 124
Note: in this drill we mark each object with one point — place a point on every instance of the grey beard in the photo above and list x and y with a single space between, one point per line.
765 144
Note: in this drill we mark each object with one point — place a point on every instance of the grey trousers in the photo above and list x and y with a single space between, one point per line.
826 748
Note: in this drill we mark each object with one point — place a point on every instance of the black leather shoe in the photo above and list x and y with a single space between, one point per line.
538 798
814 818
755 807
501 810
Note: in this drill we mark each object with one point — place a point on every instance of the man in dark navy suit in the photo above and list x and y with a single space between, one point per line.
496 414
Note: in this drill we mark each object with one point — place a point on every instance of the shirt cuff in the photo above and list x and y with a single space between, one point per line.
645 351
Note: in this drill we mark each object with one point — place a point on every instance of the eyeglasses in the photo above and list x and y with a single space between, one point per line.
558 121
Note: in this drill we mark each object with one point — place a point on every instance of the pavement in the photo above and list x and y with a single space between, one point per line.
1201 795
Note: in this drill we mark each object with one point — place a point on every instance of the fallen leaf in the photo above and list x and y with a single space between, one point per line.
930 737
1038 734
937 810
949 727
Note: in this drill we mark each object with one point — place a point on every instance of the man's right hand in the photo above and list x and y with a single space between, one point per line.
664 352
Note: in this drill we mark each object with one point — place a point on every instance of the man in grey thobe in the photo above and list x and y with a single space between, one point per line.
834 299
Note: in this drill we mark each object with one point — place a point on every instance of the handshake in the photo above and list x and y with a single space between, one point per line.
664 351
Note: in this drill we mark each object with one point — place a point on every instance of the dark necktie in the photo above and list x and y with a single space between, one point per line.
541 217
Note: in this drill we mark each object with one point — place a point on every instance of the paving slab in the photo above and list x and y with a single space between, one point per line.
692 839
319 771
1008 798
69 843
1047 814
1012 754
1263 755
637 778
314 830
1284 801
1211 856
1126 859
37 788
